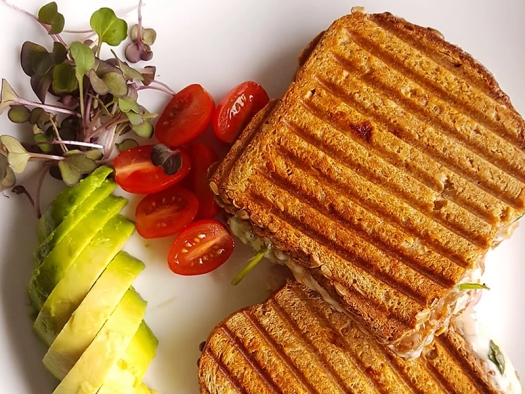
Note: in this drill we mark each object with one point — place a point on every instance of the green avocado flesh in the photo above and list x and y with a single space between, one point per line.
57 262
72 220
92 313
126 376
68 201
80 277
107 348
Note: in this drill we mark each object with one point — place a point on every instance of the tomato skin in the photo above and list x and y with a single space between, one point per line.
135 173
166 212
200 248
237 108
202 157
185 117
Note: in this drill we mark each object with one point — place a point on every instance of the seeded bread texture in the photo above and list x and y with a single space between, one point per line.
387 170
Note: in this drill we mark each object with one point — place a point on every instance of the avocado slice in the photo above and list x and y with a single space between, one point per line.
80 277
126 376
92 313
68 200
106 349
53 239
57 262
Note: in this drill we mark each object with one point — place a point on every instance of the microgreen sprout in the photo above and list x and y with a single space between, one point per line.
249 266
497 357
94 100
169 160
473 286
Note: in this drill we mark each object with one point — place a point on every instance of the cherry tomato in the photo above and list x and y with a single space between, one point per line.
200 248
165 213
185 117
202 157
237 108
135 173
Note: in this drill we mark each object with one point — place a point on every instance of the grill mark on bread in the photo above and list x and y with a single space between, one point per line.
396 63
343 253
407 225
419 166
254 364
449 57
423 266
223 369
488 149
451 162
401 187
318 309
443 382
303 337
283 357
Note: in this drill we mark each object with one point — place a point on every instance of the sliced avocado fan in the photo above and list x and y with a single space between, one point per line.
57 262
107 348
93 312
68 200
80 277
86 207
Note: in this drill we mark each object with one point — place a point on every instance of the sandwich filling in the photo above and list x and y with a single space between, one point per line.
494 361
430 322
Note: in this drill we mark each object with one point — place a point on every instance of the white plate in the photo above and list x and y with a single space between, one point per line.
219 44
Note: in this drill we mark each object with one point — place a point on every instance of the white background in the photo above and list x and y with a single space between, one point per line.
219 44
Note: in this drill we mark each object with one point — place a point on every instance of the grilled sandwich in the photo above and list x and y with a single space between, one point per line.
296 343
382 177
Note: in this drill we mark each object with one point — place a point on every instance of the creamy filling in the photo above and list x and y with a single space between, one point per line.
474 334
410 345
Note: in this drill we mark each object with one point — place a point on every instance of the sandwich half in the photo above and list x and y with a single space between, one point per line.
382 177
296 343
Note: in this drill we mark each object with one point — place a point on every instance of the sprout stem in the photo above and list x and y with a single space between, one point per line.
251 264
43 156
170 90
48 107
74 143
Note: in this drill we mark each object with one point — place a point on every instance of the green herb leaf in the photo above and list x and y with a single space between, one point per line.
39 117
126 144
144 130
64 78
41 84
148 35
134 119
18 114
98 85
497 357
17 155
129 72
473 286
8 96
84 58
42 137
128 105
251 264
49 15
110 29
94 154
74 166
27 54
7 176
116 84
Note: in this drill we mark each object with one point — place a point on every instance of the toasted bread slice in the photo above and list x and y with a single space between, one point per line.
295 343
385 173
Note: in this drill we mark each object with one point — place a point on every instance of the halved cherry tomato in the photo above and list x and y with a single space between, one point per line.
185 117
135 173
165 213
237 108
202 157
200 248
